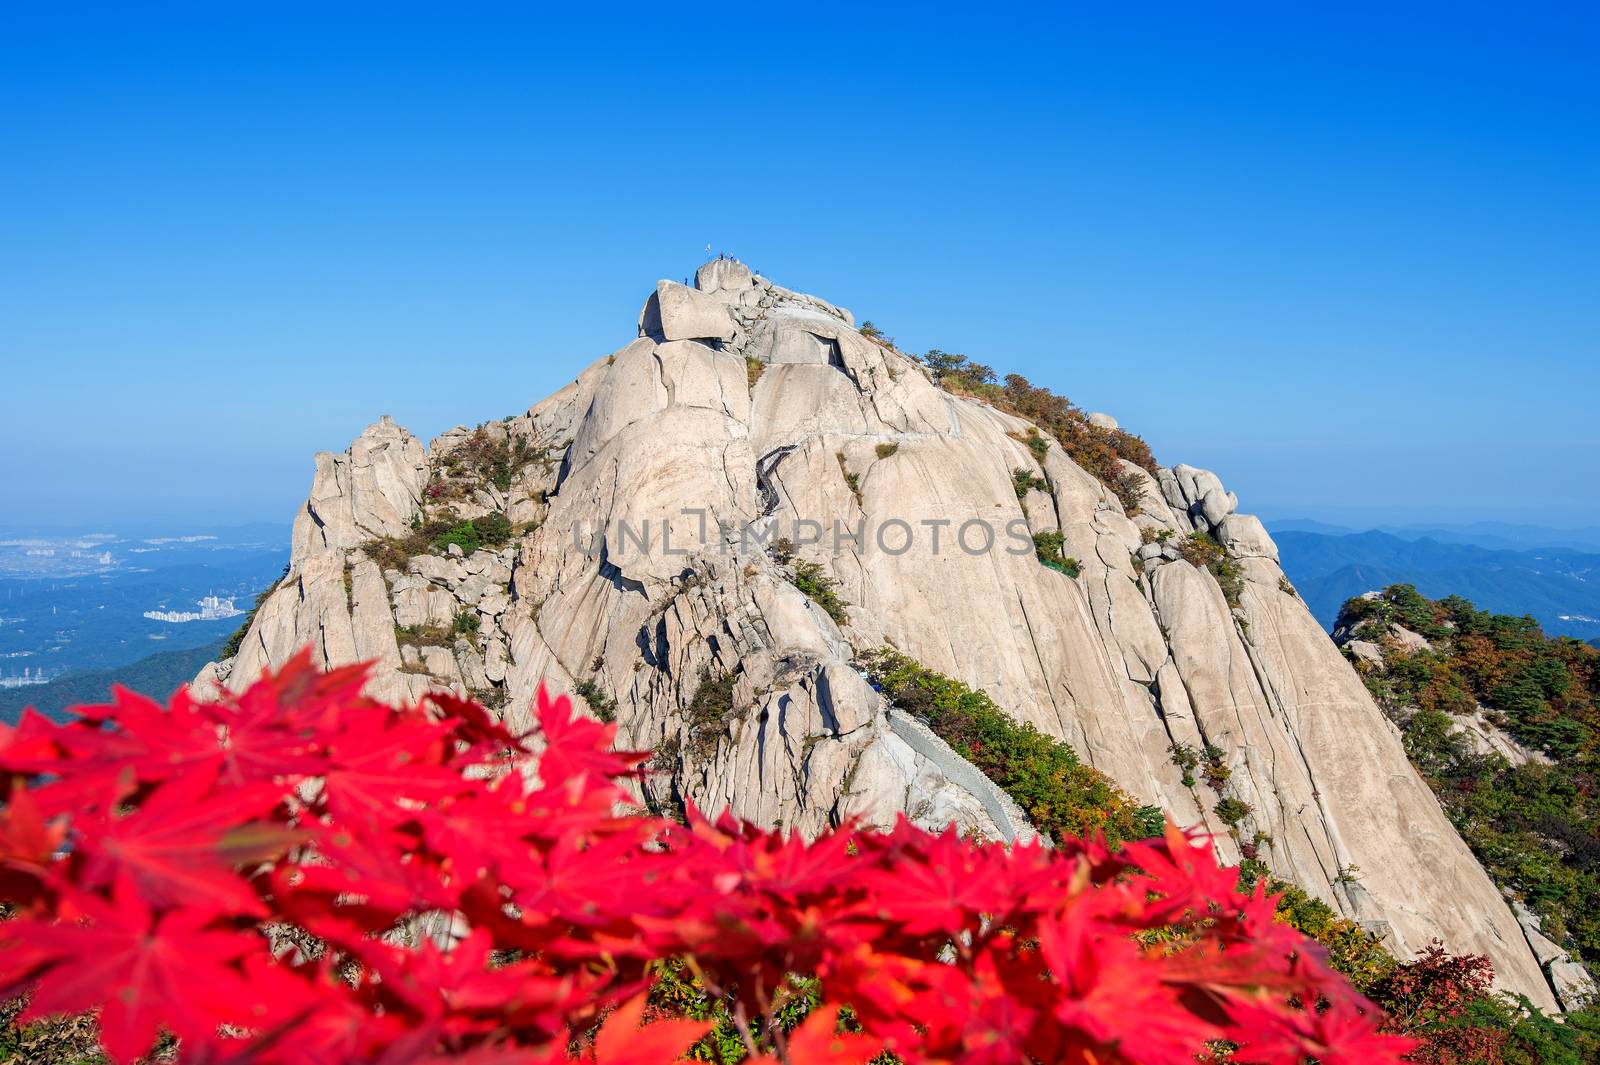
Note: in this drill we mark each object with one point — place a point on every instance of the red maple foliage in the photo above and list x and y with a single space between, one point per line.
301 874
1437 987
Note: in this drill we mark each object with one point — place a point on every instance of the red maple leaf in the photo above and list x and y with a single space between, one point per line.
183 844
173 901
819 1042
939 892
1339 1034
621 1041
382 763
28 844
1108 998
143 972
577 746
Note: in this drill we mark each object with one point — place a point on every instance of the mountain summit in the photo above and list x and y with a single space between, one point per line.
708 532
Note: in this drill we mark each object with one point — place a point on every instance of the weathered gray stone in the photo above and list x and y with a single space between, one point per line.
473 588
470 664
1366 651
1543 949
1141 651
1245 537
1573 985
1408 641
371 491
1216 506
723 275
675 312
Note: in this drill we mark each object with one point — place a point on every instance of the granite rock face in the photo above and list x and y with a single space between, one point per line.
642 497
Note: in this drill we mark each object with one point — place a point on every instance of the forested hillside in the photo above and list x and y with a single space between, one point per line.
1503 721
159 673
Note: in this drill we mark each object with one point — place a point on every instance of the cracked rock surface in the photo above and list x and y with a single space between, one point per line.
743 409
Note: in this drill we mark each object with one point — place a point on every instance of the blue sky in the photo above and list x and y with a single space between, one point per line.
1346 257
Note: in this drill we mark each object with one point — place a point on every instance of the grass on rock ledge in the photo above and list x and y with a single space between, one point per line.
1061 796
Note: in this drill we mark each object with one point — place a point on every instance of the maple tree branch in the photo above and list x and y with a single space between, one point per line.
742 1024
780 1040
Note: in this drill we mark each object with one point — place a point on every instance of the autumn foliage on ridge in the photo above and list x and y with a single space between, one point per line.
300 874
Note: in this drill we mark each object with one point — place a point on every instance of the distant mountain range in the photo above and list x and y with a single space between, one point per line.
1494 535
1558 582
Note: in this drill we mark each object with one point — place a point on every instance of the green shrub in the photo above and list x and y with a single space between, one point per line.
62 1039
1524 1034
813 580
753 369
465 536
1230 578
1202 552
1535 827
1047 548
602 704
1531 1037
664 756
484 459
1041 774
494 528
677 992
395 553
885 450
1401 604
853 481
810 577
1231 810
437 534
466 623
1352 950
491 698
422 635
1199 550
1101 452
708 713
1023 480
1216 769
1186 758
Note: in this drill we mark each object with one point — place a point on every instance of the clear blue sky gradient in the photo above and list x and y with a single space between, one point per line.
1347 257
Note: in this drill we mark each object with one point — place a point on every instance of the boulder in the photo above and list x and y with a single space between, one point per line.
1245 537
1367 652
1215 506
1194 483
723 275
676 312
1573 985
1408 641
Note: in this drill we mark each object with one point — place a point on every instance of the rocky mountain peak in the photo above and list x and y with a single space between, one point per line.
705 533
